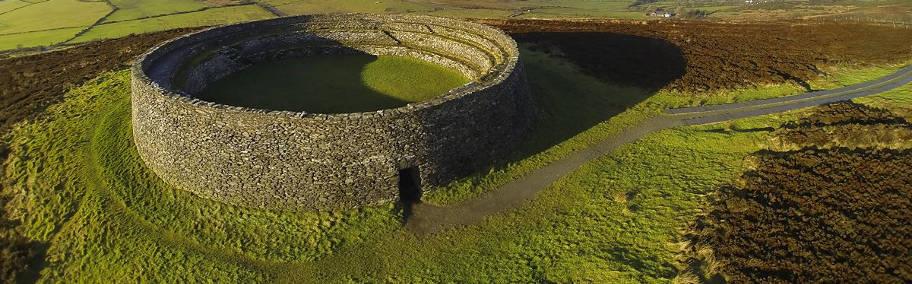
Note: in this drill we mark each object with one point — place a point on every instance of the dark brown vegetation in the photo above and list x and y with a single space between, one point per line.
729 55
32 82
817 214
846 125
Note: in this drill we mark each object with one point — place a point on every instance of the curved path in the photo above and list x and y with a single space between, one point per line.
428 218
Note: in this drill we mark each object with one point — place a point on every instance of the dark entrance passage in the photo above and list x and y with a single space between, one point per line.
409 190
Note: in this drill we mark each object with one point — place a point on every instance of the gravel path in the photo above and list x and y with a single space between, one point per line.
428 218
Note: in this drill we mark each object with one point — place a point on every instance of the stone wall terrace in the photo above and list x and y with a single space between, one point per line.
313 161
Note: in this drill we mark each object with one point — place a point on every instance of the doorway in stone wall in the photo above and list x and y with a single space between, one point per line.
409 190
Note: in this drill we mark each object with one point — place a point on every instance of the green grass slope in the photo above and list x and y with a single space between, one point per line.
32 39
134 9
79 186
209 17
9 5
46 23
52 14
136 16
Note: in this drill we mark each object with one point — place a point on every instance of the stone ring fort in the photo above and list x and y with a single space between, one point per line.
305 161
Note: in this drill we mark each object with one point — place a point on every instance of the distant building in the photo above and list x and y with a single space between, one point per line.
756 2
662 13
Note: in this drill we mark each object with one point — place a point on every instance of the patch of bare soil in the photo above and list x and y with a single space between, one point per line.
33 82
817 214
730 55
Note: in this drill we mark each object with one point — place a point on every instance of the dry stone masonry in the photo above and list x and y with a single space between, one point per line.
311 161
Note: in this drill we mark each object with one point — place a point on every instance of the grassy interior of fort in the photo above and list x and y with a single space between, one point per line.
82 193
334 84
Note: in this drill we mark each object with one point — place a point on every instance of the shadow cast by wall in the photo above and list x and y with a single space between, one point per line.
316 83
629 60
576 80
579 80
22 258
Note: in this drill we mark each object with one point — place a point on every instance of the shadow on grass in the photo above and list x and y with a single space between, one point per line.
577 80
21 259
581 79
325 84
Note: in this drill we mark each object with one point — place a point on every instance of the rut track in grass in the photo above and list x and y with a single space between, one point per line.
427 218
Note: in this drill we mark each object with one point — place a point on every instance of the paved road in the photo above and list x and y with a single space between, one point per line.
427 218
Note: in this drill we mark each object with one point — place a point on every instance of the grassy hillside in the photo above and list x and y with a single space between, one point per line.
46 23
134 9
55 22
42 38
52 14
9 5
79 187
209 17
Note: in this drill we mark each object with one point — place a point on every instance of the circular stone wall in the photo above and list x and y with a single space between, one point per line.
298 160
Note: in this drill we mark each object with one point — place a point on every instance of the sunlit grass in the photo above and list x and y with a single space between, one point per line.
898 100
32 39
79 185
133 9
409 79
210 17
51 14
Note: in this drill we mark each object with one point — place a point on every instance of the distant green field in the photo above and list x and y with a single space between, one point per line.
79 186
133 9
7 5
135 16
140 16
46 23
334 84
214 16
52 14
43 38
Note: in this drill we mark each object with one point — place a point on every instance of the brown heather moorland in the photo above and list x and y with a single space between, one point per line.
33 82
720 55
821 213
